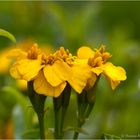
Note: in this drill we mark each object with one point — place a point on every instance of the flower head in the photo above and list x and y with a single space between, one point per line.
60 68
27 68
97 60
50 73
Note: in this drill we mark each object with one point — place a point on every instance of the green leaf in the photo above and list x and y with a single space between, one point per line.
8 35
31 134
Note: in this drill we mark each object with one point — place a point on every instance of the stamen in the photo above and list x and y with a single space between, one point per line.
61 54
33 52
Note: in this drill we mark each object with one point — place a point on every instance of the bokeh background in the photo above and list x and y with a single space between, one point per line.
74 24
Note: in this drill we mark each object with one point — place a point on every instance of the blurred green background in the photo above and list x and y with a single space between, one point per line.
73 24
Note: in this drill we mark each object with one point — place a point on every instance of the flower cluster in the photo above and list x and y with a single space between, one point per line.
51 72
54 74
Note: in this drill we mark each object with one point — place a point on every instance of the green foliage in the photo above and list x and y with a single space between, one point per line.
8 35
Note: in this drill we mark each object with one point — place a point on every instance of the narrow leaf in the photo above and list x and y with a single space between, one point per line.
8 35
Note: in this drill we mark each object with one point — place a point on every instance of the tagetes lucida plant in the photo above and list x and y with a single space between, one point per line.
55 74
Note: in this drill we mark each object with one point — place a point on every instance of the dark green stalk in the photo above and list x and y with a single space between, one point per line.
58 133
41 126
60 107
57 115
82 106
38 102
85 102
76 133
65 102
89 109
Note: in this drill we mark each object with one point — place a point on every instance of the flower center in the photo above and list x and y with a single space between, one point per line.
61 54
33 52
99 58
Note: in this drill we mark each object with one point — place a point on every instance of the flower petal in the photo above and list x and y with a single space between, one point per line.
91 81
114 73
17 54
79 77
26 69
57 73
41 86
97 70
114 84
22 84
85 52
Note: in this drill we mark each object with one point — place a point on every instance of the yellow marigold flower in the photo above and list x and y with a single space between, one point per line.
97 60
18 52
60 68
50 73
52 78
27 68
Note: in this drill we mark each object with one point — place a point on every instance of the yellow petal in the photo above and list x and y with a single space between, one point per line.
22 84
14 71
80 61
26 69
85 52
97 70
4 62
91 81
41 86
57 72
79 77
17 54
114 84
114 73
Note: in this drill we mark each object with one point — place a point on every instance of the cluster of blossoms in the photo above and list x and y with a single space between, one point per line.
54 74
51 72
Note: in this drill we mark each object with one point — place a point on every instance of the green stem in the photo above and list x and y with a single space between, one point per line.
38 102
89 109
63 118
76 133
82 106
41 125
58 134
82 119
57 115
65 102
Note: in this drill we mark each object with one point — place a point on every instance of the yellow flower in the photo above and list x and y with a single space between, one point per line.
18 52
97 60
52 78
50 73
27 68
59 69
